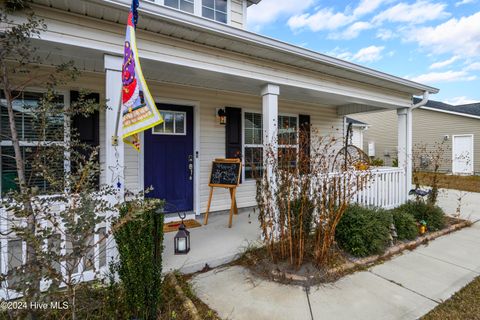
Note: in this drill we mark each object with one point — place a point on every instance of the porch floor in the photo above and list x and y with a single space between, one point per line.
215 243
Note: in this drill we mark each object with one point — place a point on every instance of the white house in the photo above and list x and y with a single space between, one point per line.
198 57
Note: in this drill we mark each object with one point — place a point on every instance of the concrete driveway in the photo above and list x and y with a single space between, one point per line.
406 287
469 202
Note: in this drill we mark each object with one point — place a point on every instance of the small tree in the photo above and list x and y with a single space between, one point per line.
429 158
58 221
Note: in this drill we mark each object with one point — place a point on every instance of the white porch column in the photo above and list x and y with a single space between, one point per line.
113 86
405 146
114 156
270 94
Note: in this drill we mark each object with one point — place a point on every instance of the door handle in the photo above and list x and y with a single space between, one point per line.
190 166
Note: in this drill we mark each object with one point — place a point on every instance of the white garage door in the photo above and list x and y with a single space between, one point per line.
462 153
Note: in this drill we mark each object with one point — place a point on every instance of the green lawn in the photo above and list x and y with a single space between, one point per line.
464 305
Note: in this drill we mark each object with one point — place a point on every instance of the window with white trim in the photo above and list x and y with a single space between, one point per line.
184 5
287 141
215 10
253 142
174 123
32 132
253 145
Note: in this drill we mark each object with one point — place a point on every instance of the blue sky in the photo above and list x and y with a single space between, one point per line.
428 41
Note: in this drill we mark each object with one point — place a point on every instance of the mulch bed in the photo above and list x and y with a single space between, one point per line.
259 263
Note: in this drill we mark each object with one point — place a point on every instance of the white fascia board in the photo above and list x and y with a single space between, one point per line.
227 31
452 112
112 43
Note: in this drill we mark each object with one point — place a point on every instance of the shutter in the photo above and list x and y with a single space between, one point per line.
233 133
304 143
87 128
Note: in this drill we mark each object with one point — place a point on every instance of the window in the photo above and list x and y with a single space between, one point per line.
33 132
174 123
184 5
215 10
253 142
287 141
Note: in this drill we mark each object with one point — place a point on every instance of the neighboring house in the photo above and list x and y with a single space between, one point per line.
358 128
458 127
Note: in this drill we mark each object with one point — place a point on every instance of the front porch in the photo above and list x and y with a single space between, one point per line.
213 244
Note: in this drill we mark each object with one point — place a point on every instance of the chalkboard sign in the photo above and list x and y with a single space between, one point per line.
225 173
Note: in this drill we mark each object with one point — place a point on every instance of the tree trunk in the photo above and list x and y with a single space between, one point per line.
24 190
13 130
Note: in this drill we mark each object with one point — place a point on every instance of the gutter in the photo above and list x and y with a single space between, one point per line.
424 101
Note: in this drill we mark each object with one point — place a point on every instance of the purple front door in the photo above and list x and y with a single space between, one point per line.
169 158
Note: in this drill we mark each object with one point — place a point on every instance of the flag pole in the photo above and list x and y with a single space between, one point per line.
119 109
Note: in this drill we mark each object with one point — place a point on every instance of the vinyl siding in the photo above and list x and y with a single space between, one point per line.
383 132
212 136
428 127
236 14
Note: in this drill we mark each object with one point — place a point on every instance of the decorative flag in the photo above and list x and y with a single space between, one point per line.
139 112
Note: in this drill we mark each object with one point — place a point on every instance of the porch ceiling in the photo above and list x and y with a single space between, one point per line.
166 21
93 61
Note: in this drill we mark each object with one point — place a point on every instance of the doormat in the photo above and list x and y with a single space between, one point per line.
173 226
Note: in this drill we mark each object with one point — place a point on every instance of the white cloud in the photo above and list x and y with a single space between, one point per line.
473 67
329 19
368 54
447 76
352 31
461 3
460 100
385 34
415 13
443 64
458 36
324 19
268 11
367 6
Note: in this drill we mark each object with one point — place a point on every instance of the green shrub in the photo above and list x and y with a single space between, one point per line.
139 231
364 231
377 162
433 215
405 225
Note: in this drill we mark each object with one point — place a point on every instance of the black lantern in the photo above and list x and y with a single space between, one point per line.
222 116
182 238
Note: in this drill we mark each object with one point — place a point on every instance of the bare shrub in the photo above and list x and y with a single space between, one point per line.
303 195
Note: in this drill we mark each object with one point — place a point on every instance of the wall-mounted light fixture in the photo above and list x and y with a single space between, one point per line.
221 116
446 137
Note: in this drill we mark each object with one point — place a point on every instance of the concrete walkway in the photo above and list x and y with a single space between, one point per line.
406 287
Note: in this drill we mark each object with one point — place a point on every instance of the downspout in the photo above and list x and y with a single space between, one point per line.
409 158
423 102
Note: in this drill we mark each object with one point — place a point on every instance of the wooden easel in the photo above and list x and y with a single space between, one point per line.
230 185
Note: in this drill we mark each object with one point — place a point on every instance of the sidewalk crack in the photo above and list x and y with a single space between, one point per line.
448 262
406 288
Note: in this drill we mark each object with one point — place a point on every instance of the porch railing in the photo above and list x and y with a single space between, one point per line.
13 253
384 188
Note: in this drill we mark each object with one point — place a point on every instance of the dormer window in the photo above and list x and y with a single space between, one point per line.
184 5
215 10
